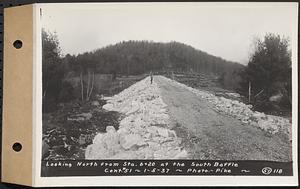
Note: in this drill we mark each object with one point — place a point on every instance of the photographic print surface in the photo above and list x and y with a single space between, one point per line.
167 89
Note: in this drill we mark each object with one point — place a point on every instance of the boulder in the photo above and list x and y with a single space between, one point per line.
125 155
110 129
154 145
111 139
154 130
181 155
258 115
104 145
95 103
276 98
108 107
235 95
268 125
96 151
98 138
134 108
132 141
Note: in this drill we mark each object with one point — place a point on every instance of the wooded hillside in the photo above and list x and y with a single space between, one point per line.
138 57
266 80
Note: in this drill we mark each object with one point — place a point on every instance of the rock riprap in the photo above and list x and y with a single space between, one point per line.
143 133
269 123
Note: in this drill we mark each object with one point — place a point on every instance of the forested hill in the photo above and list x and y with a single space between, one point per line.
137 57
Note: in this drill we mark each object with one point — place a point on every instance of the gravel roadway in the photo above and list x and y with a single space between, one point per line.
208 134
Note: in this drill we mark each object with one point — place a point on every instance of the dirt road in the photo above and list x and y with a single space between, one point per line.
207 134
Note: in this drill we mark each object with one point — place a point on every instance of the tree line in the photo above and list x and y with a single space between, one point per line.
269 66
138 57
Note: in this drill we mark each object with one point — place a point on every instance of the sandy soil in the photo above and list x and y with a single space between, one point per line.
208 134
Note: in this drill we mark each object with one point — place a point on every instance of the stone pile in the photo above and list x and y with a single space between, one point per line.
143 132
271 124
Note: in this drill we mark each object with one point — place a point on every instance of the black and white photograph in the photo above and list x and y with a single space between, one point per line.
209 83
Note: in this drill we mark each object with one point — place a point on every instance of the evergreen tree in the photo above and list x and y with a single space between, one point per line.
52 67
53 70
268 71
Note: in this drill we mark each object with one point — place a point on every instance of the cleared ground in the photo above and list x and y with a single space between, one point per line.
208 134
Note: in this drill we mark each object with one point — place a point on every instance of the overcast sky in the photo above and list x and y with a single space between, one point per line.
223 29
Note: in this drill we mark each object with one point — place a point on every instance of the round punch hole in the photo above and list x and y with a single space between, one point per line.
18 44
17 147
